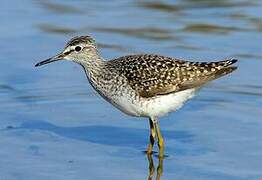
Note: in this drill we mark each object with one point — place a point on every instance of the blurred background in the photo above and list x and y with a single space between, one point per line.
54 126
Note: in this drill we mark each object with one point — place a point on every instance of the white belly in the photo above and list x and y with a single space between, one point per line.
153 107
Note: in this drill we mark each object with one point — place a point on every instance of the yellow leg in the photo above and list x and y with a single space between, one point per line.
160 139
152 137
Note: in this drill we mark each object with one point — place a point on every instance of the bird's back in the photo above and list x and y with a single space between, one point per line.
151 75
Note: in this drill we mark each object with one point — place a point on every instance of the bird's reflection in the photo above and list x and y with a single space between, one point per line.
152 172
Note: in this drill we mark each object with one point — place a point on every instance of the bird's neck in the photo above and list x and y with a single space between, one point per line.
95 68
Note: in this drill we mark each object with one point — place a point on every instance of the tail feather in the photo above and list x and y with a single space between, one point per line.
212 71
224 67
224 63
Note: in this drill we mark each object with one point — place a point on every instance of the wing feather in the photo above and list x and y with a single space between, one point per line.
152 75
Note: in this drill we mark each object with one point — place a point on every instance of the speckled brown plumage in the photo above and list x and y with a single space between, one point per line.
152 75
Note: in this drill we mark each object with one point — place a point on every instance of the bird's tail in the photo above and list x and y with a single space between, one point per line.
225 63
224 67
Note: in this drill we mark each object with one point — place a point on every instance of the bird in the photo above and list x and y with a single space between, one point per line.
142 85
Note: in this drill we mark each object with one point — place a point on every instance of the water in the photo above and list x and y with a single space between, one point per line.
53 125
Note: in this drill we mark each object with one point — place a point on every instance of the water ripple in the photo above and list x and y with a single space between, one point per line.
210 28
150 33
59 8
49 28
192 4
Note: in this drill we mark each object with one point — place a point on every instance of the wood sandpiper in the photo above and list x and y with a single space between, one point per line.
144 85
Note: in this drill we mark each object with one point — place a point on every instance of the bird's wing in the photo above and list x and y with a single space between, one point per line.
152 75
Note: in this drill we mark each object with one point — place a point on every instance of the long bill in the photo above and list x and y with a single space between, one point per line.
52 59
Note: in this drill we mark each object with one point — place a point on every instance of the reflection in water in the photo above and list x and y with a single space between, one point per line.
151 167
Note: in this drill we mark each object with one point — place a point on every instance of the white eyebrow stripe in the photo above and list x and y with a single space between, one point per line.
68 52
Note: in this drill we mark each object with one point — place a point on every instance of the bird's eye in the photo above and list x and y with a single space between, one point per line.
78 48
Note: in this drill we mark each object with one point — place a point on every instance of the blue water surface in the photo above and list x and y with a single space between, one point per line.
54 126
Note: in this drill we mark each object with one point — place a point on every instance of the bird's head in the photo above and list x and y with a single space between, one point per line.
78 49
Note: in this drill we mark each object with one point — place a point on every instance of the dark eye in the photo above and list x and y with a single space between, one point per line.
78 48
